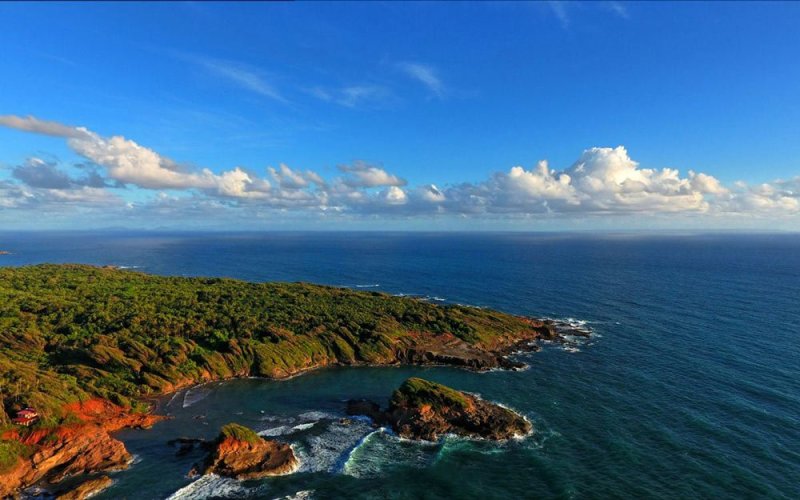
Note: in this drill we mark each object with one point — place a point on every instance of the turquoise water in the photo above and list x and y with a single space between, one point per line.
688 386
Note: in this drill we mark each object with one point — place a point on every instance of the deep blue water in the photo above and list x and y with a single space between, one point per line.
689 386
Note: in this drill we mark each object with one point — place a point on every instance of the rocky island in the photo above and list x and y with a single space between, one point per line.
83 348
240 453
420 409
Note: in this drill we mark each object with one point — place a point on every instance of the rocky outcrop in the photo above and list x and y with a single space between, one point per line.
448 349
87 489
425 410
83 447
240 453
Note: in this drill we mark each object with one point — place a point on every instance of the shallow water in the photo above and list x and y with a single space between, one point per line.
688 386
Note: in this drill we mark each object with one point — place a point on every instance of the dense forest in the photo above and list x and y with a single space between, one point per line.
69 332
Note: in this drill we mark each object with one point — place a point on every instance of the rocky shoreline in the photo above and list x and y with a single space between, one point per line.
88 448
83 448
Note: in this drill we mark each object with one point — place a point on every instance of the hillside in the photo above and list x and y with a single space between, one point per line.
73 332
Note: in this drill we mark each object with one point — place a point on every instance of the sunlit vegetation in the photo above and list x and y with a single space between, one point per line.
70 332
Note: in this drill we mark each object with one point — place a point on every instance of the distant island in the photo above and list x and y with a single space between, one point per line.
83 349
5 252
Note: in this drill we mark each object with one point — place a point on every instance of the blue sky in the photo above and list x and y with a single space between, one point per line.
418 115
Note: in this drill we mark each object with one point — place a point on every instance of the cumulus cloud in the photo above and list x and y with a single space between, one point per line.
127 162
292 179
603 181
36 172
607 179
394 196
781 196
49 199
362 174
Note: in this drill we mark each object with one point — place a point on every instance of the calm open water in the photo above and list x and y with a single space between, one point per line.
689 386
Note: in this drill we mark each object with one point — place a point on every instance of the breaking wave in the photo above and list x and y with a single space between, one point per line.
381 450
195 394
574 333
211 486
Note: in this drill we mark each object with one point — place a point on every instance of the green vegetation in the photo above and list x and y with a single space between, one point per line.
416 392
10 452
240 433
70 332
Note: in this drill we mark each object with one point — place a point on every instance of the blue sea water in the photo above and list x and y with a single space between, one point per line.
689 386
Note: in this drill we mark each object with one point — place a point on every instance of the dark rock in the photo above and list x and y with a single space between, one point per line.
420 409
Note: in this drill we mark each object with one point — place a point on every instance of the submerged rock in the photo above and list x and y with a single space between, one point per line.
240 453
420 409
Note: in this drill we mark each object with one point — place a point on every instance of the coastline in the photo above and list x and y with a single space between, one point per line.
31 471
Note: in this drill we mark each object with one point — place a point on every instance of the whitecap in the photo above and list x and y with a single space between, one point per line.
174 395
298 495
328 451
314 415
275 431
382 449
302 427
210 485
195 394
287 429
376 285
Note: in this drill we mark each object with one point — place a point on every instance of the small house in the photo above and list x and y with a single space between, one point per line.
26 417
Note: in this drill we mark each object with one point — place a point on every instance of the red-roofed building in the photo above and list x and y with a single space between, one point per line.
26 417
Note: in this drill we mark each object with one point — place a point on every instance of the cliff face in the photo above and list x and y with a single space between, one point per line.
420 409
242 454
80 448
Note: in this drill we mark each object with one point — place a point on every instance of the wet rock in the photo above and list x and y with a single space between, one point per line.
425 410
240 453
87 489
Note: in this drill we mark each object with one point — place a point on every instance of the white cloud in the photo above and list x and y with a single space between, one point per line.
237 74
129 163
36 172
559 9
41 199
619 9
353 96
394 196
362 174
288 178
32 124
431 194
425 74
603 181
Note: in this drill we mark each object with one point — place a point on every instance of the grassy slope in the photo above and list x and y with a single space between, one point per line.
70 332
416 392
240 433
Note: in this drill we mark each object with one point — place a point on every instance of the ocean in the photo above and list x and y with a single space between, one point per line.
687 387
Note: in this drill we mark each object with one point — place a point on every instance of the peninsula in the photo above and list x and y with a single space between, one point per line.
82 348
